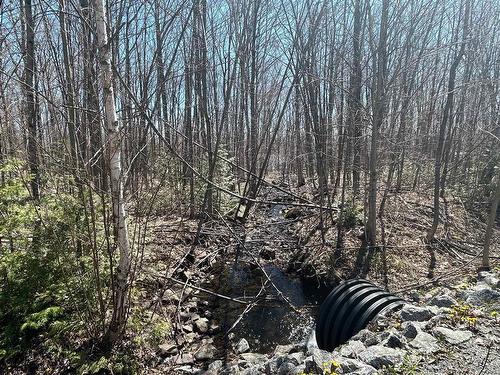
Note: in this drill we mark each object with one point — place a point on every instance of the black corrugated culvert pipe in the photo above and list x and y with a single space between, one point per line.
348 309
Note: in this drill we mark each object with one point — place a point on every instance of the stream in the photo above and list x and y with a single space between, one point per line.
272 321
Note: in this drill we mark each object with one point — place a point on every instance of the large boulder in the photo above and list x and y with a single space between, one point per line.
379 356
425 343
482 294
452 336
415 313
443 300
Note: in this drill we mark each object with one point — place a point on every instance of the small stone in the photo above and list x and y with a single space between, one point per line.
187 370
191 337
232 370
353 366
379 356
267 253
293 213
206 351
215 365
183 359
168 349
410 329
352 348
364 335
311 343
253 358
415 297
254 370
187 327
202 325
282 350
415 313
295 358
242 346
425 343
490 278
443 300
451 336
272 366
394 340
286 368
314 363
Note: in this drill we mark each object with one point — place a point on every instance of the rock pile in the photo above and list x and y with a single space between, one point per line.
443 322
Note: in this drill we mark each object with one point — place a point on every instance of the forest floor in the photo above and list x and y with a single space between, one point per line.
262 281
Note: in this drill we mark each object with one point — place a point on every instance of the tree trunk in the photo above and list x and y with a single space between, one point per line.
378 113
31 100
442 128
114 143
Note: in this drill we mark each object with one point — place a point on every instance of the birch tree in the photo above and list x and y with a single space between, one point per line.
114 144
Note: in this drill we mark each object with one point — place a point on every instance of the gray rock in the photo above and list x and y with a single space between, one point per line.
183 359
379 356
295 358
168 349
311 343
490 278
191 337
451 336
187 370
353 366
286 368
434 321
443 300
202 325
215 365
272 366
242 346
482 294
255 370
415 313
206 351
415 297
394 340
318 358
232 369
187 327
282 350
376 338
410 329
352 348
301 369
367 370
254 358
364 335
425 343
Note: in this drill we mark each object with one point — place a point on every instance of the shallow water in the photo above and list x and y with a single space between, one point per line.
271 323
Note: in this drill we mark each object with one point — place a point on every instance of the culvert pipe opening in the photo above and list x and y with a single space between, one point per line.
348 309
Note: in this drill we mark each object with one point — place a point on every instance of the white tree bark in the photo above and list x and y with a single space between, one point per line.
114 140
